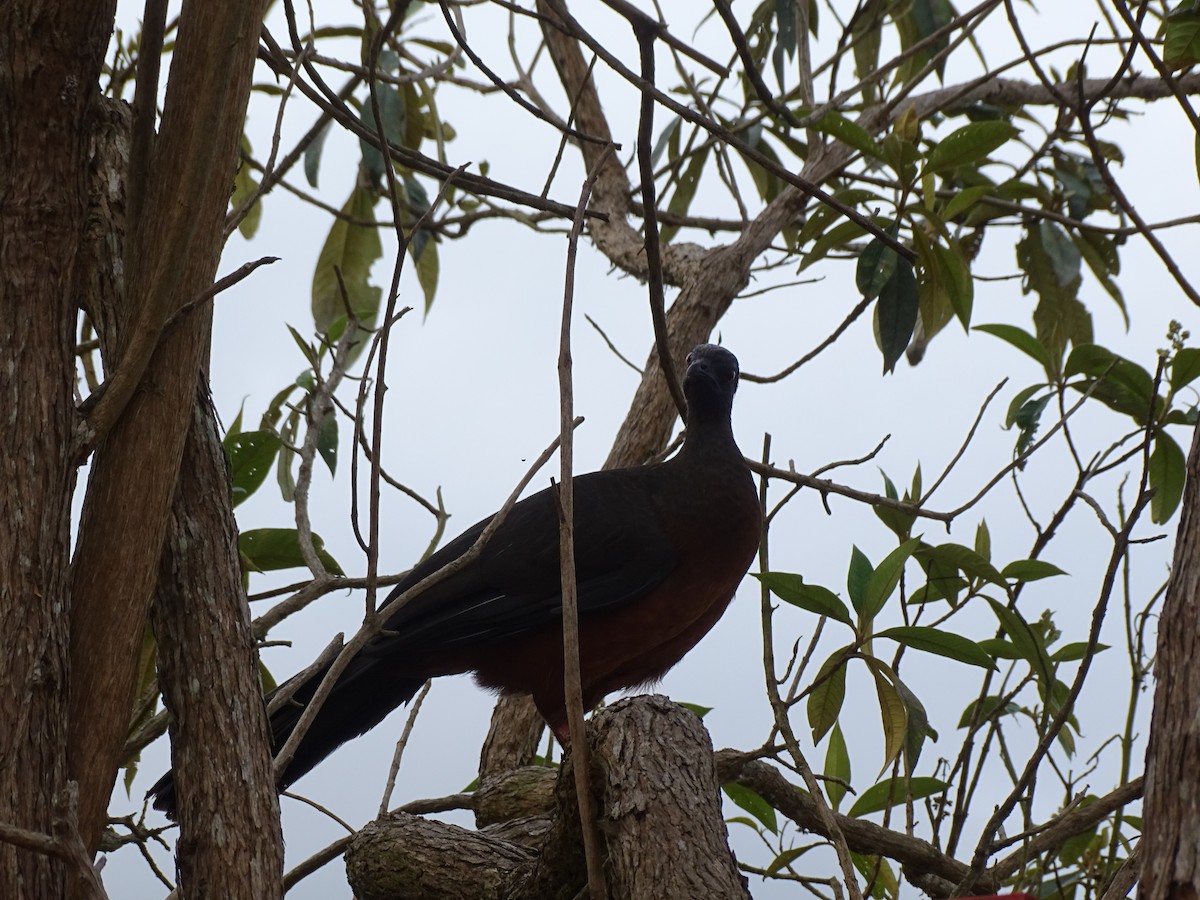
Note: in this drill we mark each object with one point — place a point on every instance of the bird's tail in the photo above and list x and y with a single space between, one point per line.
361 698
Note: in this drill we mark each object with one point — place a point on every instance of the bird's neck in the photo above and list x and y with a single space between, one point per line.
709 434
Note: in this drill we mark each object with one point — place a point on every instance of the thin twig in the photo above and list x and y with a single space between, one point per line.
565 495
748 66
858 310
654 273
394 769
504 86
371 628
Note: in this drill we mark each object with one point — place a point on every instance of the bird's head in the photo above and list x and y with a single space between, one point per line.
710 381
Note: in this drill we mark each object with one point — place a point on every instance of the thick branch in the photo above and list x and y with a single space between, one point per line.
220 742
1170 849
172 257
50 58
659 809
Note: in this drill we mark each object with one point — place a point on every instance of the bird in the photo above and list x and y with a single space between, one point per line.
659 552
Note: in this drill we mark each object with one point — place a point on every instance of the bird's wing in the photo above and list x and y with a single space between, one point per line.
513 587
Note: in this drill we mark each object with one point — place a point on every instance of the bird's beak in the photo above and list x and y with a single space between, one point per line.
700 369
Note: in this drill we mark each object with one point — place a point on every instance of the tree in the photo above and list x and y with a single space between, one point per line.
786 135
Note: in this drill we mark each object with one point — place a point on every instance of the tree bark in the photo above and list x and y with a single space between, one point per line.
50 56
658 803
512 739
172 258
659 807
1170 848
230 843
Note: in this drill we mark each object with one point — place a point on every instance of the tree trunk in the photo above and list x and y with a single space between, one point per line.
144 415
220 744
50 55
659 809
201 618
1170 848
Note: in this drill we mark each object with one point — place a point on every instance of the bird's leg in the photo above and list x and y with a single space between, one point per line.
562 731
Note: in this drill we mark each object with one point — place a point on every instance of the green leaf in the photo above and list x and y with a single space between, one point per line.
685 190
812 597
917 729
896 314
767 182
785 33
968 145
787 857
999 648
250 455
876 265
900 523
1181 36
988 707
892 711
306 349
312 155
1168 470
351 248
427 270
826 698
244 187
866 27
416 201
283 463
894 791
1027 642
327 441
943 643
837 238
1022 340
878 871
669 134
236 427
956 557
965 199
696 709
1051 263
271 549
393 114
270 419
837 765
916 21
857 577
1100 253
1028 418
954 274
1127 387
1018 403
266 679
752 803
983 541
1030 570
1185 367
415 126
1074 651
850 133
885 578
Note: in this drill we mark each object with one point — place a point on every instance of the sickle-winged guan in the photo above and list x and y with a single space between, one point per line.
659 551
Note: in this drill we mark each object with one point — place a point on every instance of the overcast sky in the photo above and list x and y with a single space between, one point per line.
474 398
